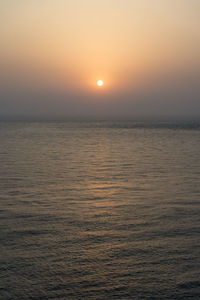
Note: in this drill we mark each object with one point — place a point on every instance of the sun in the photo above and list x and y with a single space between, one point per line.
99 82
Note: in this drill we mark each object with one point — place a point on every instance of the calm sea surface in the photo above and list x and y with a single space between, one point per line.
99 211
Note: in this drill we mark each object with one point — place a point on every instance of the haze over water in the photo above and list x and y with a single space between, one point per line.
53 52
105 210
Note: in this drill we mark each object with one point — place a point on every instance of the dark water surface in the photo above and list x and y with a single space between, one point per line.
99 211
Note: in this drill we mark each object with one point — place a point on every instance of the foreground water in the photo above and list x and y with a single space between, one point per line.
99 211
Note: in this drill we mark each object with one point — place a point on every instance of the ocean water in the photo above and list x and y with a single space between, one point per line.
99 210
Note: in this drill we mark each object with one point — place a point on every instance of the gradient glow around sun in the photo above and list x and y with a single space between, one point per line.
99 82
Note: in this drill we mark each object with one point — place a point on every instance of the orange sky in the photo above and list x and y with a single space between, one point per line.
68 45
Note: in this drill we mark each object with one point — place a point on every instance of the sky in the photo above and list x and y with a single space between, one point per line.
52 53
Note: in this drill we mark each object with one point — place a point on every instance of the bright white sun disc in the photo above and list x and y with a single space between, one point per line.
99 82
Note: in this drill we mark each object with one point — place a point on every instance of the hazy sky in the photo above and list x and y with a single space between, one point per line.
52 53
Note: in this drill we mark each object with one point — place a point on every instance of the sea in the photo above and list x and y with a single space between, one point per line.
99 210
